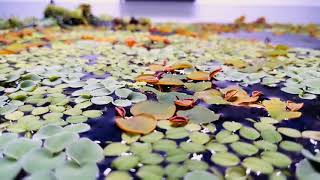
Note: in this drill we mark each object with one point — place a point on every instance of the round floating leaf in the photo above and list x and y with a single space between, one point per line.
9 168
175 171
236 173
58 142
232 126
291 146
119 175
311 135
76 119
122 102
197 175
19 147
42 175
265 145
306 171
292 90
9 108
115 149
196 165
289 132
140 124
41 160
72 170
277 159
192 127
136 97
199 138
164 124
92 113
262 126
123 92
28 85
85 151
47 131
103 100
40 110
73 112
225 159
6 138
177 133
16 115
199 75
226 137
176 156
192 147
150 172
244 149
130 138
164 145
249 133
168 81
77 128
151 158
152 137
257 165
140 148
199 115
125 162
156 109
271 136
216 147
83 105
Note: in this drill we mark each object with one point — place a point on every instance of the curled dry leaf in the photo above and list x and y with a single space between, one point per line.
177 121
148 78
120 111
140 124
189 102
292 106
198 76
214 72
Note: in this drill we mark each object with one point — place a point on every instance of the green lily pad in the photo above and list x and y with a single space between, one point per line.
140 148
249 133
199 115
291 146
196 165
199 138
58 142
41 160
123 92
119 175
257 165
177 133
122 102
271 136
9 168
226 137
174 171
306 171
277 159
85 151
225 159
232 126
203 175
151 158
152 137
244 149
216 147
92 113
19 147
6 138
165 145
102 100
265 145
77 128
115 149
71 170
130 138
125 162
150 172
176 156
289 132
236 173
192 147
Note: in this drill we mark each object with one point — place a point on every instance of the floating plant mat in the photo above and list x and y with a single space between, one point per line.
129 105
